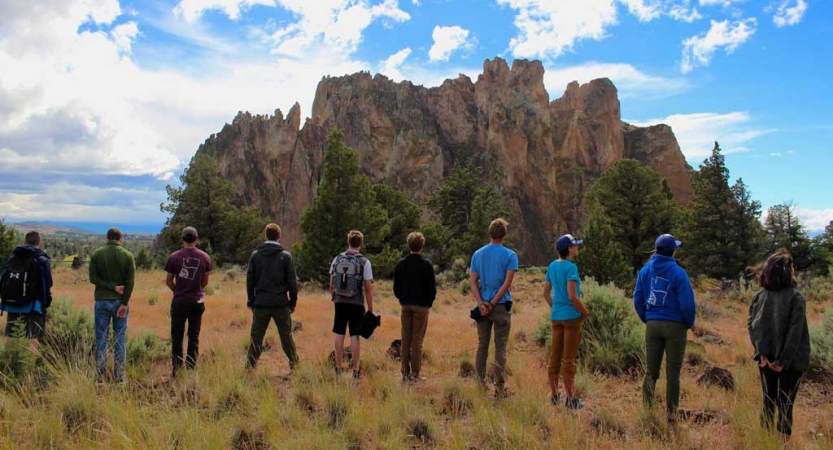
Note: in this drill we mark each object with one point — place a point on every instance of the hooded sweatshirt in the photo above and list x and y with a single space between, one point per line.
271 280
44 299
663 292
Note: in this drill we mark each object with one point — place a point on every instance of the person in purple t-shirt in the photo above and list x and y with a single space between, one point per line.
188 270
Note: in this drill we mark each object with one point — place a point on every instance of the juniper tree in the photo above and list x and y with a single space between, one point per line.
785 230
629 202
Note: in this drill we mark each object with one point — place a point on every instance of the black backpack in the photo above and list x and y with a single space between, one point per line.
20 283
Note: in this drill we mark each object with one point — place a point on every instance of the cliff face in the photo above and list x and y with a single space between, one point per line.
545 154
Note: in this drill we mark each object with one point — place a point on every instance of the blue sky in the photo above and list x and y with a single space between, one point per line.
104 102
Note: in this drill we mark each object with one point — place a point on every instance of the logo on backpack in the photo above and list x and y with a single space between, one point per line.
19 284
348 271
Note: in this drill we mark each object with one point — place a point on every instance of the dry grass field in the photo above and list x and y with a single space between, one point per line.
220 405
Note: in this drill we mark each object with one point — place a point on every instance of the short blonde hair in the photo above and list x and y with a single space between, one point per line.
416 241
273 232
497 229
355 238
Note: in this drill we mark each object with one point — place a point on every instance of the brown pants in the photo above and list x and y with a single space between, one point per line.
502 322
566 337
414 325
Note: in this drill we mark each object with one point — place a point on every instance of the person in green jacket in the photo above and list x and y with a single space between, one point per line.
780 338
112 270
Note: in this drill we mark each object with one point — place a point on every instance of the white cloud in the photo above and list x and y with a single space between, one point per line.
73 202
724 3
644 10
699 50
787 15
549 28
696 133
192 10
775 154
814 219
124 34
446 41
630 82
684 14
391 66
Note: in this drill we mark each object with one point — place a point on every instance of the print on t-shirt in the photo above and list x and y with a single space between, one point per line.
659 290
190 268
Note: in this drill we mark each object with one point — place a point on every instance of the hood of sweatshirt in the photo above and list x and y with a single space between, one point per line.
269 249
29 250
663 265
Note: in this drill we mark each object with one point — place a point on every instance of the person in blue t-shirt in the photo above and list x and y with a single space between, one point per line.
562 291
31 317
664 301
493 267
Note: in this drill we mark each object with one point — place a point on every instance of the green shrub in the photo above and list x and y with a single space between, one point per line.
821 344
464 286
542 335
814 288
613 335
146 347
384 262
70 334
16 358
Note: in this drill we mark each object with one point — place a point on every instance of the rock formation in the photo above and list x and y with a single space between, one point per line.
545 154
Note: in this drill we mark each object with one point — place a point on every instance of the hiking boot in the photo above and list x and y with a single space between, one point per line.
502 393
356 374
340 371
555 399
574 403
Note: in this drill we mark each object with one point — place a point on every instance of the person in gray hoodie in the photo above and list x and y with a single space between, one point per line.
778 330
664 301
272 291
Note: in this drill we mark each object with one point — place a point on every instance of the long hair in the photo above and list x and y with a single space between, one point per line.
776 272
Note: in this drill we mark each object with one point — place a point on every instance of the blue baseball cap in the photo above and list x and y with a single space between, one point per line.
567 241
666 244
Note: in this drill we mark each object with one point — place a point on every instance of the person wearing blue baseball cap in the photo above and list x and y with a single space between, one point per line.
664 301
562 292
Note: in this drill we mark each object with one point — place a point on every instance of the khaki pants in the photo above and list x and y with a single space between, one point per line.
502 322
566 337
414 325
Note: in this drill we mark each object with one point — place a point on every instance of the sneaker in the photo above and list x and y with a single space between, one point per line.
502 393
555 399
574 403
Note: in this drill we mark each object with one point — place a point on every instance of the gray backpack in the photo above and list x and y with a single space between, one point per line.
348 271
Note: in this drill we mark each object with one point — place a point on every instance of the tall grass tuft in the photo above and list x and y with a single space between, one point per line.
821 344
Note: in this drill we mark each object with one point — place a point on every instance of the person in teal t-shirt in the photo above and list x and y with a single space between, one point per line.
562 291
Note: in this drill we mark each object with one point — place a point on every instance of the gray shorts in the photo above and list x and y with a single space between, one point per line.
33 325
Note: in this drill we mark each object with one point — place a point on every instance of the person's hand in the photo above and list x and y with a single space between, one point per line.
763 362
776 367
119 290
485 308
121 313
292 310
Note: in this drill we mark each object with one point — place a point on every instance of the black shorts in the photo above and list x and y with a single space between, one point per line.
348 314
34 324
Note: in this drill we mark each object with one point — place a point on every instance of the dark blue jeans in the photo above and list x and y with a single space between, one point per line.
105 312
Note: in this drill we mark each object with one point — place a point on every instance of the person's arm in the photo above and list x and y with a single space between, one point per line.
749 321
548 293
397 282
251 281
170 281
507 282
796 330
368 294
204 281
685 295
96 279
432 282
46 278
574 300
129 279
292 281
639 298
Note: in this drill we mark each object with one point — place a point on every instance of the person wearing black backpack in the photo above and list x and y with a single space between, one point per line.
26 288
350 277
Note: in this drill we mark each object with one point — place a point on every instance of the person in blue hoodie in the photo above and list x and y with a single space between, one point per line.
664 301
30 317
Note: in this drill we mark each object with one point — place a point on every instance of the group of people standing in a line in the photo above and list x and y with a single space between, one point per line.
663 299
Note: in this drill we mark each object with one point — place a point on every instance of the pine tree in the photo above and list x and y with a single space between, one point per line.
721 224
345 201
628 200
823 244
227 232
785 230
8 240
601 257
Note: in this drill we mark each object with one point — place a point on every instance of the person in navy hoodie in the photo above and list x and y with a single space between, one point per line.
664 301
32 315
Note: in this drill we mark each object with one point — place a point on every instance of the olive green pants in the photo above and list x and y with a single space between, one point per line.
662 336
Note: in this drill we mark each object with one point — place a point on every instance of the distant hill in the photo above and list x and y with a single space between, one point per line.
84 229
